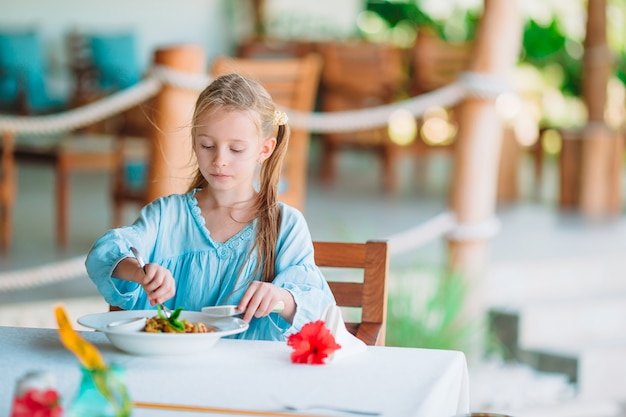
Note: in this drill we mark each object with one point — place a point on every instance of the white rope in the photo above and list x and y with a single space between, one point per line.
372 117
47 274
413 238
468 84
442 225
179 79
342 121
475 231
483 85
85 115
480 84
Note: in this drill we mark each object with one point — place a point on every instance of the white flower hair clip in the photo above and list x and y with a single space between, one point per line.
280 118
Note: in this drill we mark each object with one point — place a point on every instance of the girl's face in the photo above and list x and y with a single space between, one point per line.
228 146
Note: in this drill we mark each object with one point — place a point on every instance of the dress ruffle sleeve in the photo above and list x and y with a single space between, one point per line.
114 246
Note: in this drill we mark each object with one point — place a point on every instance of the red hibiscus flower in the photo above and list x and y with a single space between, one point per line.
312 344
35 403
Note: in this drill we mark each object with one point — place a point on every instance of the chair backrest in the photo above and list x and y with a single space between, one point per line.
356 75
437 62
293 84
370 294
264 48
365 73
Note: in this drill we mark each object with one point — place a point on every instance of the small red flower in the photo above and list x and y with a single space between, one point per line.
312 344
35 403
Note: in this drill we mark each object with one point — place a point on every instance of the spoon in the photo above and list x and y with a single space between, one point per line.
232 310
142 265
134 324
297 408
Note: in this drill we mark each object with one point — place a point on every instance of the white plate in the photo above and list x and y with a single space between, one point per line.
142 343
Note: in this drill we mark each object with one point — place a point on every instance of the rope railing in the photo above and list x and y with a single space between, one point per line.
434 228
82 116
47 274
469 84
372 117
441 225
444 224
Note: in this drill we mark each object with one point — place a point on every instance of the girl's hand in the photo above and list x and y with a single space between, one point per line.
260 299
157 282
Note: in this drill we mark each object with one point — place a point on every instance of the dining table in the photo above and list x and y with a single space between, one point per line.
251 377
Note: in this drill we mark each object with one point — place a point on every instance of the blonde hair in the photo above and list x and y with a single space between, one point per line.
233 92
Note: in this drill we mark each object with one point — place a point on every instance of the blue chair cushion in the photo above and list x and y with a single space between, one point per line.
115 57
22 67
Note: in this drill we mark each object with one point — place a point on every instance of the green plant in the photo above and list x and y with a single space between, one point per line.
547 45
427 311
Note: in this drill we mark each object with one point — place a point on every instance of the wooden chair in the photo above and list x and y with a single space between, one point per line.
370 295
103 63
93 152
293 84
131 148
264 48
78 153
356 75
7 190
437 62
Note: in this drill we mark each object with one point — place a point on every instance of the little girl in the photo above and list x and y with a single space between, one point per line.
223 242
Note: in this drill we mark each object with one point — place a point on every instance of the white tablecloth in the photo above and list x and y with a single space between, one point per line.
257 375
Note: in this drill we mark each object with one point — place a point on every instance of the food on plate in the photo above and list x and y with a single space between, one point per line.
162 324
158 324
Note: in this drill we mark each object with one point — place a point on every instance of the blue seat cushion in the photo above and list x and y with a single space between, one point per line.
115 57
22 67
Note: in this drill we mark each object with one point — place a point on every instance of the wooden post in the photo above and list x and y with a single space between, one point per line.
171 158
8 189
598 141
510 155
474 183
569 169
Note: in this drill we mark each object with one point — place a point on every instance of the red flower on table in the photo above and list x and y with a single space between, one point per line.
312 344
36 403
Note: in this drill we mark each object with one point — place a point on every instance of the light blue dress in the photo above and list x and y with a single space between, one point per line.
171 232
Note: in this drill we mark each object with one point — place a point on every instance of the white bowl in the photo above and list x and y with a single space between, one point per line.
142 343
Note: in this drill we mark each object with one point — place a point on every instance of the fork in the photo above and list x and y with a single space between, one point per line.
142 265
331 408
300 408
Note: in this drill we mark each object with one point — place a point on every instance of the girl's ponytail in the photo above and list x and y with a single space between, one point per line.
269 218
